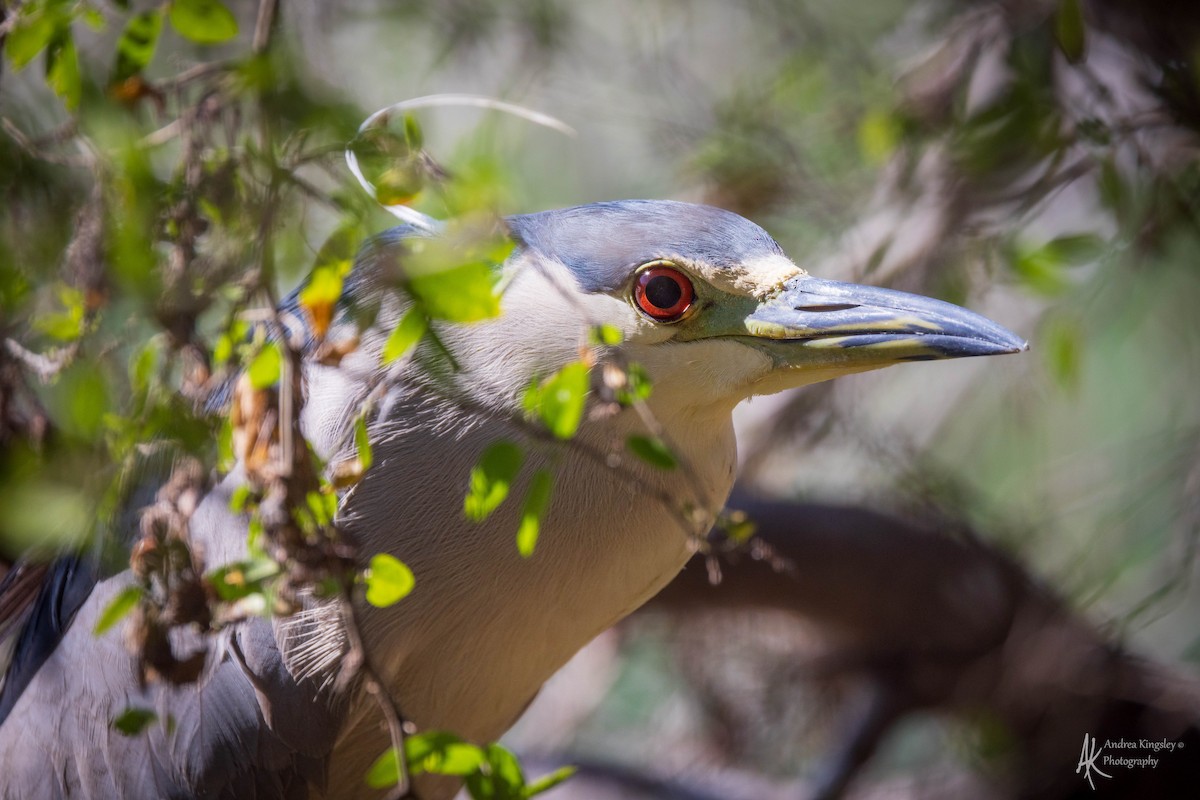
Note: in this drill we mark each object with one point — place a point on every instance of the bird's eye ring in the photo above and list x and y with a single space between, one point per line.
663 292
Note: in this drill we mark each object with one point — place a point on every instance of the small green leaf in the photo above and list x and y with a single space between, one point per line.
652 450
385 771
454 276
737 525
362 443
35 27
605 335
144 365
117 608
65 325
406 334
135 48
506 773
223 349
202 21
548 782
93 18
322 290
240 497
878 135
491 479
388 580
1070 31
442 753
242 578
133 720
1077 249
62 69
562 399
225 456
637 385
465 293
536 501
321 293
338 251
1062 346
413 136
1043 268
266 367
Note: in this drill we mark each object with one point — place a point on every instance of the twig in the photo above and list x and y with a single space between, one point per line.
42 365
358 663
263 26
31 148
10 22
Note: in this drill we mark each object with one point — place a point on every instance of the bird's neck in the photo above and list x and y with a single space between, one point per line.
485 627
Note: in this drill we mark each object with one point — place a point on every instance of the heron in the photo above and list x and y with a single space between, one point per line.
704 299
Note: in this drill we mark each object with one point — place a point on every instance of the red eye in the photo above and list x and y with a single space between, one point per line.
663 292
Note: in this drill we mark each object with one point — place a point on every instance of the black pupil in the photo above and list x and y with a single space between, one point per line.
663 292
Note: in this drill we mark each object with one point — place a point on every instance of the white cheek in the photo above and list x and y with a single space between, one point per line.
715 373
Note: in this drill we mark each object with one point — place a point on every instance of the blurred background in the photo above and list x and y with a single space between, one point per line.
970 564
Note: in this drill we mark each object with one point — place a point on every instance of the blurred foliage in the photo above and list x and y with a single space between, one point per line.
167 179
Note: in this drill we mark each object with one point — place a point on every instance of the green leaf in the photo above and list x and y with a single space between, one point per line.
202 21
637 385
265 369
454 276
1078 249
321 293
562 398
406 334
1062 346
1070 31
144 365
223 349
117 609
536 501
240 498
65 325
385 771
135 48
242 578
388 580
491 478
338 251
461 294
85 398
34 29
1043 267
878 135
548 782
362 443
62 69
738 527
442 754
506 773
225 455
652 450
133 720
605 335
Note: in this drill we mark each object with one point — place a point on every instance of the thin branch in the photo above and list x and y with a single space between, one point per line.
358 663
33 148
263 26
42 365
10 22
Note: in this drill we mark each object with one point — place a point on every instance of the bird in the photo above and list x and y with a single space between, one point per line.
703 299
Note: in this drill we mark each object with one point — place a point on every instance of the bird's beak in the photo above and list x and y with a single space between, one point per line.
814 322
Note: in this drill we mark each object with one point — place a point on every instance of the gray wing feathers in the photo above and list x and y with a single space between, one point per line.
260 735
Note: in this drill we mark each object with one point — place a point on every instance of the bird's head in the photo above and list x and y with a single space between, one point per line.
710 305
